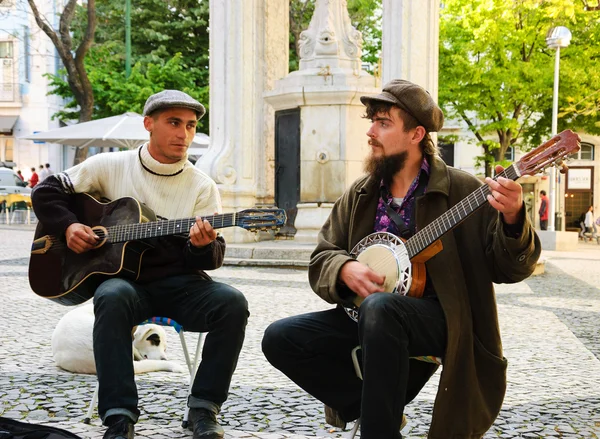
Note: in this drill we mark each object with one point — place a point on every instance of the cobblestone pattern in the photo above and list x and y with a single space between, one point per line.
549 325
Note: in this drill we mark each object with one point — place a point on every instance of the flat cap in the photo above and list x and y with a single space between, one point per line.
413 99
172 98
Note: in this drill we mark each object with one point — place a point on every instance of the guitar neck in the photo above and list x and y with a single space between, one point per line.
153 229
454 216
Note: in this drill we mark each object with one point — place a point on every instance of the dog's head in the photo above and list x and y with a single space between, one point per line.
149 343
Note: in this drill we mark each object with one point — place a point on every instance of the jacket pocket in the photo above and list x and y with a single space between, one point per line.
491 375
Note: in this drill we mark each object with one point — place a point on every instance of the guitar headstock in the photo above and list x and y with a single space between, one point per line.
549 153
260 219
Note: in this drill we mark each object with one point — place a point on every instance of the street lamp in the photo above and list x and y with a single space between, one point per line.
556 38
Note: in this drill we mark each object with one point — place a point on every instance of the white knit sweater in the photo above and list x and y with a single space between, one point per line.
172 191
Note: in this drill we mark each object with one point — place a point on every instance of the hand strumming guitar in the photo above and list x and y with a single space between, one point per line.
361 279
80 238
202 233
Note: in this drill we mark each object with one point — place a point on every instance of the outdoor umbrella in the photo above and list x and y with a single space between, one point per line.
123 131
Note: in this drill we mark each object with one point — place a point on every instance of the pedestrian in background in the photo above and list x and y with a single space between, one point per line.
20 175
589 220
543 211
35 179
43 173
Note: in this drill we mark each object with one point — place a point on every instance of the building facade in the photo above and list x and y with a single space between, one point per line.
26 56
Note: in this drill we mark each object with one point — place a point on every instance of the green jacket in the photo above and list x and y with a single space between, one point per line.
476 254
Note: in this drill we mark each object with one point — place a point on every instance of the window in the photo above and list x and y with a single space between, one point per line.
8 151
6 49
585 153
510 154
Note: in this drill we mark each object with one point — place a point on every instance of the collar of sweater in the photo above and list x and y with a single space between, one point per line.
157 168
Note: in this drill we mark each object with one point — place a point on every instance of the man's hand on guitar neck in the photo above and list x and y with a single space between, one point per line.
202 233
361 279
506 197
80 238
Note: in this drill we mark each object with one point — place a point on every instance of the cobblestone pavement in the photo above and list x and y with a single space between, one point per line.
550 326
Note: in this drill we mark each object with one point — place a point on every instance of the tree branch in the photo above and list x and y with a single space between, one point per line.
43 25
65 24
88 38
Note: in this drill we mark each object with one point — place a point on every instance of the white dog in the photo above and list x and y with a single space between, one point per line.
73 350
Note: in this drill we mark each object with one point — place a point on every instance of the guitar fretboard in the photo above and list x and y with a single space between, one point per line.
453 216
128 232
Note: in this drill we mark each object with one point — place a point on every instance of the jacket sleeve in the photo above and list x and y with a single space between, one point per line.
209 257
50 203
511 257
331 253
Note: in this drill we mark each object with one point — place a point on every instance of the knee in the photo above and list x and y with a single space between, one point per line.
114 294
274 341
375 313
234 304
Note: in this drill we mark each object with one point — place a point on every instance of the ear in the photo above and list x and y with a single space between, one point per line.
148 123
154 339
419 134
143 335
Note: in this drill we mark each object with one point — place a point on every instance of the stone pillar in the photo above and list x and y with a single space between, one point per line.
248 52
327 89
410 42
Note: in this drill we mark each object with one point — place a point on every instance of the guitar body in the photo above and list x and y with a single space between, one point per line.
59 274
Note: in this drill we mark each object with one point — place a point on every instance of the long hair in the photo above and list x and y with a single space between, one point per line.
375 107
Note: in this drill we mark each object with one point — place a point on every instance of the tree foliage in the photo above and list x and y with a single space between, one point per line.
496 72
364 14
169 41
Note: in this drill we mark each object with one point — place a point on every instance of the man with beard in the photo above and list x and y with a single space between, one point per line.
408 186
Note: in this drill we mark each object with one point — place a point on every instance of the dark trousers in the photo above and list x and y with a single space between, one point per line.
544 224
197 304
314 351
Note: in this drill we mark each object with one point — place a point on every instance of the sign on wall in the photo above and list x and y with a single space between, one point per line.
580 179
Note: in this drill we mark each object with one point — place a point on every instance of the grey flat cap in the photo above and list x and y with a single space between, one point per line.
172 98
413 99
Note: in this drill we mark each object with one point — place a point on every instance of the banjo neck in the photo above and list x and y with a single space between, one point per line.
454 216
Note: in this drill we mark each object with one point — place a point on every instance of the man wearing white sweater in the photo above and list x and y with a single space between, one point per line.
172 280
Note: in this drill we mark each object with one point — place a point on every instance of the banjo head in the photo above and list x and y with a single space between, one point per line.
387 255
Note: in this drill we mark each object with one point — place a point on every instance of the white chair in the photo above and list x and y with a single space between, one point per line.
426 358
192 364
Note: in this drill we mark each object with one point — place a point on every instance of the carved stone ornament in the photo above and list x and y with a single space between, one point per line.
330 38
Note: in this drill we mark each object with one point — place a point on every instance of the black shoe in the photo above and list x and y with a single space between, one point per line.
119 427
204 424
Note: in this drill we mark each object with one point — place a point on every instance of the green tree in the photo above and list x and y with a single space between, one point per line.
364 14
496 72
169 42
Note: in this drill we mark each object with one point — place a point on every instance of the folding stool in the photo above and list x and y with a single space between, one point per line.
192 365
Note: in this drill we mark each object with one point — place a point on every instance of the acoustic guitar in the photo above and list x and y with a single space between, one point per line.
123 226
403 262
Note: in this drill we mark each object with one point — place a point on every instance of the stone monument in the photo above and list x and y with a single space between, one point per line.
327 90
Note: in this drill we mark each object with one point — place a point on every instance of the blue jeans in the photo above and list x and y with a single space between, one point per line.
199 305
314 351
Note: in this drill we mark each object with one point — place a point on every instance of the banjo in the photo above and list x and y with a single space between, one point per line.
403 262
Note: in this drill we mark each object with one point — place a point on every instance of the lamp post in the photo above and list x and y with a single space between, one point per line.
556 38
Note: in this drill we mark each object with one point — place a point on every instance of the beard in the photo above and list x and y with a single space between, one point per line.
385 167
